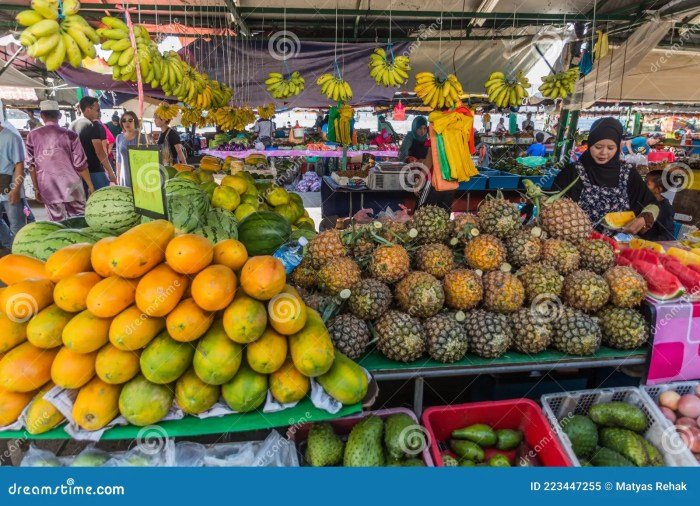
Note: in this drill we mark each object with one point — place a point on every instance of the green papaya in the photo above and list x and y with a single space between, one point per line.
217 358
164 360
246 391
467 450
193 395
142 402
479 433
345 381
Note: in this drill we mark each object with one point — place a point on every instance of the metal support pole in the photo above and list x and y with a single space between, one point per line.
418 384
638 123
570 141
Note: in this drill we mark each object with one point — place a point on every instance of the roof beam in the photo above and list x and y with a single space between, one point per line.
233 9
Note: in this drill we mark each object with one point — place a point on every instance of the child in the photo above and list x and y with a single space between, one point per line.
664 226
537 148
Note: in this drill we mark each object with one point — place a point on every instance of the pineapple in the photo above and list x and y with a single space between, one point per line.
485 252
315 300
530 333
304 275
576 333
463 289
436 259
397 232
420 294
498 216
623 328
503 292
586 290
540 280
489 333
326 246
562 255
390 263
432 223
338 274
400 336
465 227
349 334
362 244
627 286
560 217
596 255
524 247
369 299
447 339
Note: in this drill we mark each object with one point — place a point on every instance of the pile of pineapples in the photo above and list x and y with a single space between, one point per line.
482 283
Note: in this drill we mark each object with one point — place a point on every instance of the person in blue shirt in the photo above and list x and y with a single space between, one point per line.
537 148
640 145
664 227
12 169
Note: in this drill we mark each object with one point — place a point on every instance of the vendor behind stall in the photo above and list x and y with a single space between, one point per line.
265 129
383 124
601 184
415 145
663 229
640 145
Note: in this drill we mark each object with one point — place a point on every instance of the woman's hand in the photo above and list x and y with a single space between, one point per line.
635 226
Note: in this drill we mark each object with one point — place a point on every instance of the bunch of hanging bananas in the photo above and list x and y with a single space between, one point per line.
280 86
335 88
341 125
55 35
167 111
504 91
232 118
436 93
385 73
266 111
601 47
561 84
125 57
193 117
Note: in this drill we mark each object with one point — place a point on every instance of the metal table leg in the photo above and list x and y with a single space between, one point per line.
418 384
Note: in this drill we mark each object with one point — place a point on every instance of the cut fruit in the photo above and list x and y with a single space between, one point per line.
661 284
685 256
637 243
618 220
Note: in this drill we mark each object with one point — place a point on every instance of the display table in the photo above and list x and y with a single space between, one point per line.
321 153
344 201
661 156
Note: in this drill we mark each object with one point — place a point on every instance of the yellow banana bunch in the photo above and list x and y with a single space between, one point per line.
193 117
560 85
281 87
507 92
435 93
232 118
266 111
335 88
342 125
54 35
167 111
124 57
387 73
601 48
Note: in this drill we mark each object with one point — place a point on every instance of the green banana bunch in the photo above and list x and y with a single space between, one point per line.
438 94
124 57
385 73
335 88
281 87
560 85
507 92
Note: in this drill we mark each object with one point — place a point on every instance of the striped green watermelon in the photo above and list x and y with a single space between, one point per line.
188 190
60 239
215 235
75 222
96 234
263 232
221 219
187 205
111 209
33 235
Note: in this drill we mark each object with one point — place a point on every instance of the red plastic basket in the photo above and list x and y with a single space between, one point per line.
519 414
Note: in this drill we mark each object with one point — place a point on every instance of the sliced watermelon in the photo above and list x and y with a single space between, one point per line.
688 277
620 260
612 242
695 268
661 284
645 255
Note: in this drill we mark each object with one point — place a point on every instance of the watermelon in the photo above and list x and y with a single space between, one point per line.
187 205
661 284
75 222
32 236
60 239
263 232
215 235
188 190
96 234
688 277
302 232
646 255
221 219
111 209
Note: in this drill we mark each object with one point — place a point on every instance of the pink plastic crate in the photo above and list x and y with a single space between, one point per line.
343 426
518 414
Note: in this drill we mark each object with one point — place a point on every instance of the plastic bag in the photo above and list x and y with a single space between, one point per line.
274 451
90 457
532 161
636 159
189 454
159 454
35 457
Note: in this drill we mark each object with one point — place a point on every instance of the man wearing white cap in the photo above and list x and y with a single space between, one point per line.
58 165
11 182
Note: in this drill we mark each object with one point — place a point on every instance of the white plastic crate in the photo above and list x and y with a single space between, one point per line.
556 407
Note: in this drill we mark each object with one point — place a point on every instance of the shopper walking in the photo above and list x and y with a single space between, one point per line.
11 183
58 166
92 135
130 136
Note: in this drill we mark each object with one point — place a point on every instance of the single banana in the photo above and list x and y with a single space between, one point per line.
45 45
115 23
43 28
47 9
57 56
28 17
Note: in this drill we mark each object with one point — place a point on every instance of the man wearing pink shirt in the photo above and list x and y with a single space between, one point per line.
58 166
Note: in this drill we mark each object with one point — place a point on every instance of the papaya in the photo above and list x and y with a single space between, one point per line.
267 353
246 391
71 369
26 368
245 319
618 220
46 328
311 348
111 296
231 253
287 311
86 332
23 300
287 384
70 294
189 253
15 268
345 381
188 322
159 291
100 257
263 277
96 405
217 358
144 403
42 416
115 366
12 404
140 249
69 260
12 332
193 395
214 287
164 359
132 329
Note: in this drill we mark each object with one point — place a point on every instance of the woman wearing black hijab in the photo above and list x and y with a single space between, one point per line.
601 184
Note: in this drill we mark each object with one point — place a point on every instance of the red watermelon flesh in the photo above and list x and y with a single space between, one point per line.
694 267
661 284
612 242
646 255
688 277
620 260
